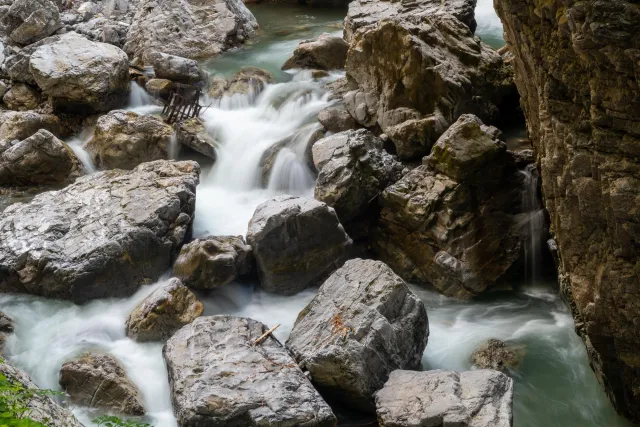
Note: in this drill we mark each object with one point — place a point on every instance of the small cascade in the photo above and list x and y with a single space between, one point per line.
77 144
140 101
535 228
290 172
174 147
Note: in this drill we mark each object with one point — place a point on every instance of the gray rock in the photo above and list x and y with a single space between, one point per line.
444 398
495 354
218 377
81 75
3 88
99 381
337 119
102 236
163 312
104 30
6 329
21 125
194 135
175 68
41 159
214 261
324 52
87 10
297 243
28 21
322 151
363 324
249 80
355 174
21 97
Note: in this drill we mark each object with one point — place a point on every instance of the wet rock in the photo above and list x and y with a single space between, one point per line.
21 97
193 134
99 381
41 159
189 29
363 324
249 79
337 119
163 312
297 243
28 21
444 398
495 354
160 88
21 125
299 145
217 86
214 261
105 234
324 52
175 68
6 329
218 377
81 75
42 408
355 173
124 139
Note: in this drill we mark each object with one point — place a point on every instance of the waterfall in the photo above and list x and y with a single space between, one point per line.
77 144
140 101
535 226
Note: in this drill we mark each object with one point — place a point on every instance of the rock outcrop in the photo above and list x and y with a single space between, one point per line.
577 67
102 236
163 312
124 139
99 381
214 261
219 377
363 324
325 52
27 21
297 243
480 398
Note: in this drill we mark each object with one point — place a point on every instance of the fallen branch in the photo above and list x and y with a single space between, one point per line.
265 335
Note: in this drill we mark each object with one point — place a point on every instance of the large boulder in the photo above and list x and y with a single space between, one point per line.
99 381
325 52
28 21
189 28
22 124
124 139
453 222
102 236
214 261
356 174
480 398
81 75
297 243
41 159
163 312
576 66
363 324
21 97
175 68
218 376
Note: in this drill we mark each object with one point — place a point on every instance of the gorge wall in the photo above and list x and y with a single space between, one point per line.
577 69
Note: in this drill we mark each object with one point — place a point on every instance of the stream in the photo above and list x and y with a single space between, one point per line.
554 383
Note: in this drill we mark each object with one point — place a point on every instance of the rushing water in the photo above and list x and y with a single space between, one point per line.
554 384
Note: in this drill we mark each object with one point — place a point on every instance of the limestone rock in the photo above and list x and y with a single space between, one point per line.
104 30
81 75
363 324
99 381
444 398
6 329
297 243
194 135
249 79
175 68
218 377
124 139
28 21
337 119
102 236
322 151
21 97
160 88
41 159
495 354
163 312
325 52
21 125
189 28
355 174
214 261
576 66
3 86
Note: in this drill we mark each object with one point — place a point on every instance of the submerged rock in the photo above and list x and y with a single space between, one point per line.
444 398
163 312
297 243
363 324
99 381
27 21
325 52
102 236
214 261
495 354
219 377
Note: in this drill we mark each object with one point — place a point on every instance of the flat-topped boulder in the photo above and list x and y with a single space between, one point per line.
102 236
325 52
175 68
219 377
363 324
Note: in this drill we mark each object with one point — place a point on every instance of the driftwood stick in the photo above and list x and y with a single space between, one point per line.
265 335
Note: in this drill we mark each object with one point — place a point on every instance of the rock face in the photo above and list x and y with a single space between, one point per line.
452 222
297 243
102 236
162 313
213 261
41 159
218 377
355 173
417 74
99 381
124 139
325 52
21 125
582 104
189 28
363 324
28 21
42 408
495 354
443 398
81 75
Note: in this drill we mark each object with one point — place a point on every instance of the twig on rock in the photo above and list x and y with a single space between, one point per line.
265 335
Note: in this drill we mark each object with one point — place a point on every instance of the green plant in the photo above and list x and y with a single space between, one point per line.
111 421
14 403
